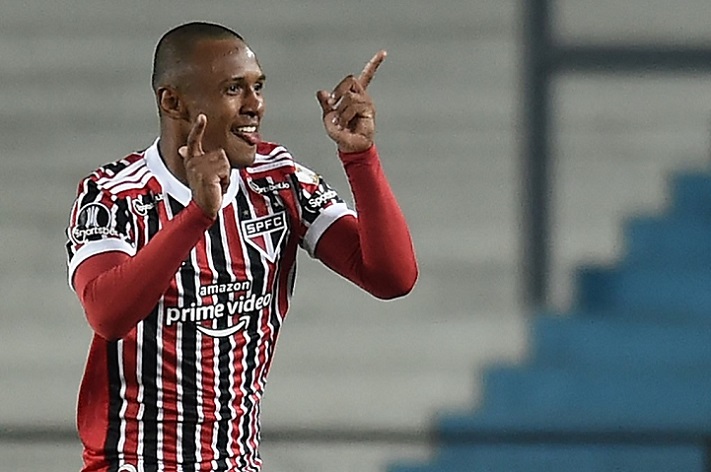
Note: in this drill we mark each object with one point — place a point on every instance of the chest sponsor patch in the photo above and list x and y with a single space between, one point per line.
262 186
235 313
145 204
266 233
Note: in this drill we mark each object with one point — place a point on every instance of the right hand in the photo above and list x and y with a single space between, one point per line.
207 173
348 111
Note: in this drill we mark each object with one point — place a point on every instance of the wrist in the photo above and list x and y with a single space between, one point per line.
200 216
358 156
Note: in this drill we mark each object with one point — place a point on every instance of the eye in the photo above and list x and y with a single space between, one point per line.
234 89
259 86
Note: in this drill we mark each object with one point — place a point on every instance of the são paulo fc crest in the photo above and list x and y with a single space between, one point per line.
266 233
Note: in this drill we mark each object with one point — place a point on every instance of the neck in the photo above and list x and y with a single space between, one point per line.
168 148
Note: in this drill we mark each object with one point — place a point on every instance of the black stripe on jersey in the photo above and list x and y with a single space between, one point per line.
188 360
114 428
123 218
297 193
115 167
217 254
258 274
91 195
152 220
149 371
224 345
149 374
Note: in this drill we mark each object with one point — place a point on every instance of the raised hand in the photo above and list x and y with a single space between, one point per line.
208 174
348 111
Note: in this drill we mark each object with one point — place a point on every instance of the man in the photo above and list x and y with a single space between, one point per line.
183 257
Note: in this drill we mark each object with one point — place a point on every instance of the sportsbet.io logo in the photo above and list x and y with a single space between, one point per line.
93 223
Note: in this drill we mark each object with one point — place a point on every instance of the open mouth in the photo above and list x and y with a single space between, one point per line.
247 134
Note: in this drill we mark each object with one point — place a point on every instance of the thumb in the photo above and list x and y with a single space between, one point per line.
183 151
322 97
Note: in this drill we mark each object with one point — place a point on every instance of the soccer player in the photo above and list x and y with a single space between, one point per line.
183 257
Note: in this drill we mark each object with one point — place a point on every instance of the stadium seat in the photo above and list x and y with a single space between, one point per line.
619 343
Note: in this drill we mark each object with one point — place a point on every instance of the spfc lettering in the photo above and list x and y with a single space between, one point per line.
266 233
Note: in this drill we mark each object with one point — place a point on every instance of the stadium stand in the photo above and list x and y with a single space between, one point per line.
620 382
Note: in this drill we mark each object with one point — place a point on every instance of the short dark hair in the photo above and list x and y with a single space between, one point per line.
175 45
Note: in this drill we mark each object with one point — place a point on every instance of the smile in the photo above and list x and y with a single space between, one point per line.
247 133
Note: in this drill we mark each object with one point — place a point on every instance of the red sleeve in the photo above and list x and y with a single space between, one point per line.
117 290
375 250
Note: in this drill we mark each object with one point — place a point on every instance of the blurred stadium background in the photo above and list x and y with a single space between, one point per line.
357 385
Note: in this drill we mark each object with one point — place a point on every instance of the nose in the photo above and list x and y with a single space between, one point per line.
252 103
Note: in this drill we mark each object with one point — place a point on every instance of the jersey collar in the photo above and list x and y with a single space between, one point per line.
174 187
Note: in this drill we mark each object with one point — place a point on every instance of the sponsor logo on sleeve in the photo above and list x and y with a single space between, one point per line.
94 222
319 200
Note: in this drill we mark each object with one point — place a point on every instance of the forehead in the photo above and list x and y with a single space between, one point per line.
221 59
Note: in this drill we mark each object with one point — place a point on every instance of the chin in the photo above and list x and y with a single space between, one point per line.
238 161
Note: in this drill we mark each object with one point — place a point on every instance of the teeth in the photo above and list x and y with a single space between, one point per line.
246 129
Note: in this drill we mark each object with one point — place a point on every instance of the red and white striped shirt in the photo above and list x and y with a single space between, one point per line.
183 387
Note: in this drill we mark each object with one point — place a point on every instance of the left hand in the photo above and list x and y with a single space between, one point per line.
348 111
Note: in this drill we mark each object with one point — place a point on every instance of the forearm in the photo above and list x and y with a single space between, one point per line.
118 291
375 251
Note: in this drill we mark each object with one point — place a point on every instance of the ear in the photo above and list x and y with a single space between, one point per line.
171 104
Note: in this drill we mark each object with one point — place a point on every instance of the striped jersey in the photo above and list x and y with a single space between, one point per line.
182 390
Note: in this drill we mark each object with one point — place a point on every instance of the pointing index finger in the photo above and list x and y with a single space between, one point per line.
195 136
369 70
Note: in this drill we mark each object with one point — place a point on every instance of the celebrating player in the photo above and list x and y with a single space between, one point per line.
183 257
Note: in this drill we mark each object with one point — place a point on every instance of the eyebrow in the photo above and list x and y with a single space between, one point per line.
241 78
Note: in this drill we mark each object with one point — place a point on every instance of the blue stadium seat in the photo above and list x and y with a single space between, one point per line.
691 195
619 344
553 399
671 289
668 241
